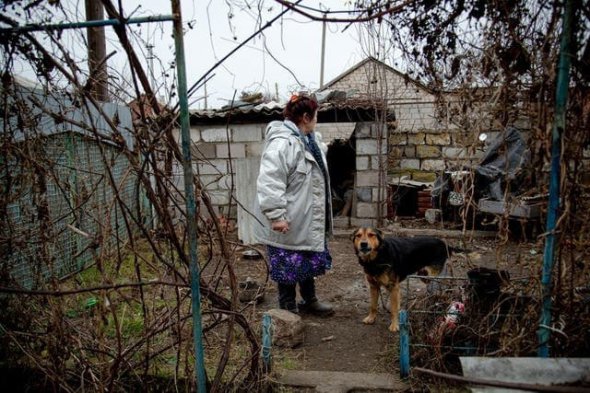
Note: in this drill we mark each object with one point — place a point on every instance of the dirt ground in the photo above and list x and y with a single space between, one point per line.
342 342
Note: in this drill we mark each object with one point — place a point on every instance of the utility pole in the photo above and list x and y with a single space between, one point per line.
206 105
97 51
150 59
323 51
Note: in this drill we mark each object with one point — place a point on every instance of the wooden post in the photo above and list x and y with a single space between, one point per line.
98 77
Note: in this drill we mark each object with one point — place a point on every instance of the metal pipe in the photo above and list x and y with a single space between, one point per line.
191 215
565 54
266 342
323 52
404 344
90 23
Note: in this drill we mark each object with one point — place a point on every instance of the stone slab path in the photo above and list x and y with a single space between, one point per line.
342 382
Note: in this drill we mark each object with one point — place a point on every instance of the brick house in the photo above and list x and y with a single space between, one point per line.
406 137
421 139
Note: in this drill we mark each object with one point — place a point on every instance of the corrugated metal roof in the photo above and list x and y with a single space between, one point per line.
340 110
45 113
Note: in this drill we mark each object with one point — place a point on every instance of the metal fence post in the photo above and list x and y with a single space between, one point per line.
404 344
565 54
191 213
266 342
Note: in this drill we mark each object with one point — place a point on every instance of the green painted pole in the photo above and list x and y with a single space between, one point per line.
90 23
190 197
404 344
565 54
266 342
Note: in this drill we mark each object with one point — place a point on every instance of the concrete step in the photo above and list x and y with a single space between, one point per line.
341 382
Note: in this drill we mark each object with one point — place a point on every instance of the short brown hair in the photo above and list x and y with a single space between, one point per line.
298 106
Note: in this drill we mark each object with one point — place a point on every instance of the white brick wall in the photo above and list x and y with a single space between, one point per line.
248 133
237 150
213 167
370 151
212 151
216 134
331 131
413 106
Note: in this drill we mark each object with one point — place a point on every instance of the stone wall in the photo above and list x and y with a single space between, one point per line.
432 151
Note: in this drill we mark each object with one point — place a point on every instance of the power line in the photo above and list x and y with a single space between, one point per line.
391 10
331 12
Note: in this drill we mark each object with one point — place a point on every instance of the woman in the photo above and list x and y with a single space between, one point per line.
294 206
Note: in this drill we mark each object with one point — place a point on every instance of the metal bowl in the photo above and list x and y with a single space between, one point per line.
251 254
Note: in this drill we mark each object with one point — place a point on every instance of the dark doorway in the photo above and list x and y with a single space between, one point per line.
342 167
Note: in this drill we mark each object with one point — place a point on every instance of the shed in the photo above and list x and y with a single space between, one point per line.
57 203
227 144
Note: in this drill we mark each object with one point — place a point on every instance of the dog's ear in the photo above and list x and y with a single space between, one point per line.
353 234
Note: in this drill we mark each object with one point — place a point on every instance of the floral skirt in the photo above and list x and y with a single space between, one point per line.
291 266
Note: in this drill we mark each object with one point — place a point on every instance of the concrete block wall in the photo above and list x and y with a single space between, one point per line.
212 147
414 106
379 149
370 204
215 152
331 131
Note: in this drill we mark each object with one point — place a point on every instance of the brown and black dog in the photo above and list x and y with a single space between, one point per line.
387 261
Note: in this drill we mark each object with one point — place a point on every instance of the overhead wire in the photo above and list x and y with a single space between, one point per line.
370 16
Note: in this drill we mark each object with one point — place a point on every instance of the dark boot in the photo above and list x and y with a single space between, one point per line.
287 295
310 303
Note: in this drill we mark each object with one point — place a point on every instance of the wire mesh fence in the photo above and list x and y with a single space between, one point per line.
61 203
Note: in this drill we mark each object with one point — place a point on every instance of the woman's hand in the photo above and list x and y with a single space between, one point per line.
280 226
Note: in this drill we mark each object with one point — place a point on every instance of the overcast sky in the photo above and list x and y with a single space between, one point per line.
294 41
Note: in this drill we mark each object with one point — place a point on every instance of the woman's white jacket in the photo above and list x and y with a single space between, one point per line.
291 186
